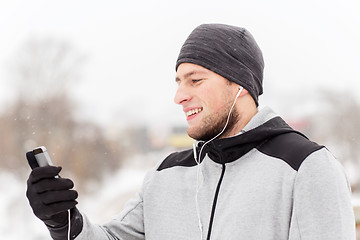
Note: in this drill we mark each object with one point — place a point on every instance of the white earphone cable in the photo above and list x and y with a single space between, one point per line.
199 170
69 227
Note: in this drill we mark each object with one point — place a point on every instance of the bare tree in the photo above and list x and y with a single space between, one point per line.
43 114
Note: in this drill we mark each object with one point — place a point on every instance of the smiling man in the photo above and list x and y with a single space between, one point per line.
206 98
249 175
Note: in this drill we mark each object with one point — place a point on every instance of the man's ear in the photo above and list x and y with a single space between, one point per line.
241 91
244 92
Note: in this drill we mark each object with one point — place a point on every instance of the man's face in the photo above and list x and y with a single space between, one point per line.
206 98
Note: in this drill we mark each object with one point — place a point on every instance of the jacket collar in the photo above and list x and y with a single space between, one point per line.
262 127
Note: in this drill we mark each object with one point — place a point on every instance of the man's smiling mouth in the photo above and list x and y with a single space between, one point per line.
193 111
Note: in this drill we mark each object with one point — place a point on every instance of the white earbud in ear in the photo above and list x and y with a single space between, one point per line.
238 94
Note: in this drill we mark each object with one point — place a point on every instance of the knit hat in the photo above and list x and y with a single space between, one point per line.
229 51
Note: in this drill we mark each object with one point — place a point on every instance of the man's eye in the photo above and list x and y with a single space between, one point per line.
196 80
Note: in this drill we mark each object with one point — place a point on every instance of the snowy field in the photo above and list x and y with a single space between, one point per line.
18 221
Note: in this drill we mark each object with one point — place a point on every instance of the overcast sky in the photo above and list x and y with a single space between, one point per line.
131 48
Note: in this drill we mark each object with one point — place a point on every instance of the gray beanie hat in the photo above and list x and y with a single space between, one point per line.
229 51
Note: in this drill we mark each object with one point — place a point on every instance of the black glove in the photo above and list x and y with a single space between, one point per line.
50 197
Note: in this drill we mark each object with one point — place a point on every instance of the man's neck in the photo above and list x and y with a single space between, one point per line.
244 119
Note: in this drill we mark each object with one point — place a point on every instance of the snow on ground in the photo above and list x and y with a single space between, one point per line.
19 222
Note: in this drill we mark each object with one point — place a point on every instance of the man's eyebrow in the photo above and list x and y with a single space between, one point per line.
189 74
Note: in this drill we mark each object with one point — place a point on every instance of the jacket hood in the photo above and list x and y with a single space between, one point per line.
229 149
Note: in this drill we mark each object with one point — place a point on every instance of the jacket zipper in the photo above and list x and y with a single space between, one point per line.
215 201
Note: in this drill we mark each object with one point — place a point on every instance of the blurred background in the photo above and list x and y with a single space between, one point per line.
93 81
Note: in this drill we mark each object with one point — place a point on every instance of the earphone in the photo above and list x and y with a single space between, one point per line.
199 171
69 227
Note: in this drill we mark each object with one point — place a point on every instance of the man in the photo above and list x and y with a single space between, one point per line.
249 176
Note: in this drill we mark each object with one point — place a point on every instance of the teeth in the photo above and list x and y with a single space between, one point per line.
193 111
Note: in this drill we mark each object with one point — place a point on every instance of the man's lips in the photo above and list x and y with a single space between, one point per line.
192 112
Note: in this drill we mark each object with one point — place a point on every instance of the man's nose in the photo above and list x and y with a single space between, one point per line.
182 95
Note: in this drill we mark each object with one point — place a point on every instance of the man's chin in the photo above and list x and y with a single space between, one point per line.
198 136
194 134
205 133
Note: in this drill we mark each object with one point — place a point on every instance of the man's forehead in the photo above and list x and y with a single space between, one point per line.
186 70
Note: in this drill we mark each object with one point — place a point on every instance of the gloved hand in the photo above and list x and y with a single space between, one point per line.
50 197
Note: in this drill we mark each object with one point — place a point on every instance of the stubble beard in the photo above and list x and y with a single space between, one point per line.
214 124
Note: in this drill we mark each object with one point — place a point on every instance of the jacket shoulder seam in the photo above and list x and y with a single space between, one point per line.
292 148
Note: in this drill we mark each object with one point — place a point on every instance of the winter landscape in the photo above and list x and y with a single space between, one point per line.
94 82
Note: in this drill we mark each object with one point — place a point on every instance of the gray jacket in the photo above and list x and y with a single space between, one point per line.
269 182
